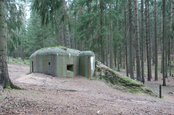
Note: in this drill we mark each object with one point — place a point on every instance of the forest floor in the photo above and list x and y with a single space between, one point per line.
167 91
43 95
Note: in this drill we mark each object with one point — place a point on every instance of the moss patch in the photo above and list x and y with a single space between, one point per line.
120 82
59 50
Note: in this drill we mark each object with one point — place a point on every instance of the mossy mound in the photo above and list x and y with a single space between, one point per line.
118 81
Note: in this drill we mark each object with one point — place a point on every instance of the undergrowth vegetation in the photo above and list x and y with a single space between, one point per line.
116 80
19 61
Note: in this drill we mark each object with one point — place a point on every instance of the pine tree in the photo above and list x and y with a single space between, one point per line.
148 44
142 41
155 36
130 40
4 76
164 58
137 42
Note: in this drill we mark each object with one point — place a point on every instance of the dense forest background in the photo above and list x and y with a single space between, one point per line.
135 35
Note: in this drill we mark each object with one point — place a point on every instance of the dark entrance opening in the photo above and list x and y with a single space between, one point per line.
70 67
32 67
49 68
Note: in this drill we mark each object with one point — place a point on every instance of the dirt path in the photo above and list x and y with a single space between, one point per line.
75 96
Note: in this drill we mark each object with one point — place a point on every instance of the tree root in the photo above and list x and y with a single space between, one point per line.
10 85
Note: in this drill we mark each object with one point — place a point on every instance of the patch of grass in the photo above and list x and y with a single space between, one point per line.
8 87
126 81
19 61
134 89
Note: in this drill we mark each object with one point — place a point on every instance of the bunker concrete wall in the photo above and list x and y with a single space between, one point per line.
87 66
63 62
44 64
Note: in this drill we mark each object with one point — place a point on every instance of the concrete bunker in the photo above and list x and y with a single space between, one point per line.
63 62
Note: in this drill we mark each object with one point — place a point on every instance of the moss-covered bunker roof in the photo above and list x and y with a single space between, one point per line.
87 53
60 51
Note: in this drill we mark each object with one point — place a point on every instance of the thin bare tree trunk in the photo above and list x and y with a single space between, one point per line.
137 42
155 36
170 38
131 62
111 44
102 51
164 72
142 41
148 45
126 41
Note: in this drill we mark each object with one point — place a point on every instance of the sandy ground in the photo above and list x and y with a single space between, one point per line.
45 95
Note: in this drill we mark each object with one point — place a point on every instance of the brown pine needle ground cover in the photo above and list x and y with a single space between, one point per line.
43 94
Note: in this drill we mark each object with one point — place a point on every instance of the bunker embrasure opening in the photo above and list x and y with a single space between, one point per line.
70 67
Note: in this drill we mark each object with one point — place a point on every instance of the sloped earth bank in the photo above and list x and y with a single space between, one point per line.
45 95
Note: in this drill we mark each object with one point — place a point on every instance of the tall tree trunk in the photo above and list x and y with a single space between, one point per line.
131 61
64 33
148 45
126 41
65 28
142 41
101 41
119 58
115 57
155 36
164 43
4 76
137 42
75 33
111 44
170 38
